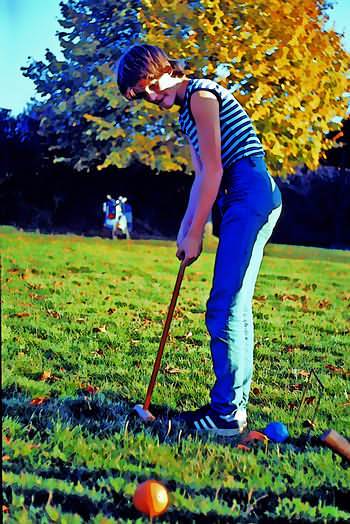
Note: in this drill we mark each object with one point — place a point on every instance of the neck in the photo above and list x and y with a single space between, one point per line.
180 91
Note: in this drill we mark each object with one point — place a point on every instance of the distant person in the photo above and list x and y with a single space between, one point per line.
122 224
109 210
127 210
109 207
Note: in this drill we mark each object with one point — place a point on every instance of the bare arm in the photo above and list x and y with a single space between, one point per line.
187 219
205 110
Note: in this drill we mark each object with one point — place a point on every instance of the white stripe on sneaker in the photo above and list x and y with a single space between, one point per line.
202 421
211 422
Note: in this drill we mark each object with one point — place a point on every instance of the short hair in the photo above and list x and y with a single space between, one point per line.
144 62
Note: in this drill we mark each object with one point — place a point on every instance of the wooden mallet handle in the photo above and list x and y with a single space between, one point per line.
338 443
164 336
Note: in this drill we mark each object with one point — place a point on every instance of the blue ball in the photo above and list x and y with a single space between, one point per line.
276 431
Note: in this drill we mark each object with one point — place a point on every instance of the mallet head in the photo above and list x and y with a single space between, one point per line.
144 414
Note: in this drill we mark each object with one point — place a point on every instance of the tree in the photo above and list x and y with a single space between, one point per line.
287 70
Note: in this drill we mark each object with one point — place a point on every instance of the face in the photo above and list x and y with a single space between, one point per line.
161 91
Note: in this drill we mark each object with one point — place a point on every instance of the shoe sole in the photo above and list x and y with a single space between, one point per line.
224 432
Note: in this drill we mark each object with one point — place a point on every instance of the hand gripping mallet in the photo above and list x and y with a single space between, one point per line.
142 410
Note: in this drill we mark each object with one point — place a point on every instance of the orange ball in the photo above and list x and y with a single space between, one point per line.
151 498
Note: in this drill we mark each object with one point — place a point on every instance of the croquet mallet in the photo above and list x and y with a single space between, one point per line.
143 410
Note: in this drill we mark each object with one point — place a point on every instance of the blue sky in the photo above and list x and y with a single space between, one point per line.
28 27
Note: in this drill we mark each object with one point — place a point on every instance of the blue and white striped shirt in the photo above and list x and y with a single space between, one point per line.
238 137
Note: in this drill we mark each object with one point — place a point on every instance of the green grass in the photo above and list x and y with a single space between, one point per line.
81 324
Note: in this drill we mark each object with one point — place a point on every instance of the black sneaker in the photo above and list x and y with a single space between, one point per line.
206 419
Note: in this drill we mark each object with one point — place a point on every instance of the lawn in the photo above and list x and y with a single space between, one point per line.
81 324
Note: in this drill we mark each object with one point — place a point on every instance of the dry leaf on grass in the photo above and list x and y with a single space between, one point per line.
335 369
39 400
285 297
52 313
296 387
261 298
303 373
89 388
47 376
101 329
34 296
21 315
310 400
172 371
324 304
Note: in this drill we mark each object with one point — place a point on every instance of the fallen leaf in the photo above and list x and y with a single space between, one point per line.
256 391
292 405
5 509
324 304
39 400
290 349
13 270
335 369
243 447
47 376
52 313
7 439
310 400
283 298
261 298
101 329
5 458
34 286
34 296
98 352
303 373
171 371
296 387
89 388
254 436
21 315
81 320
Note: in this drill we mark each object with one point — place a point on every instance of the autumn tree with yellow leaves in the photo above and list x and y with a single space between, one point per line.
276 57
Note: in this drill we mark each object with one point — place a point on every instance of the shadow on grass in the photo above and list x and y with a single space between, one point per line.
103 415
100 415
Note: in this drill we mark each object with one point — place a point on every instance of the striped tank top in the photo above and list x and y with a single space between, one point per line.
238 138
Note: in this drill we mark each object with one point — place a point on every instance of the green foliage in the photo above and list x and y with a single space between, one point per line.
92 36
280 62
83 317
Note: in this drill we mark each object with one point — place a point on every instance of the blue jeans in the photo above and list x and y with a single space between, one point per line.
250 204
